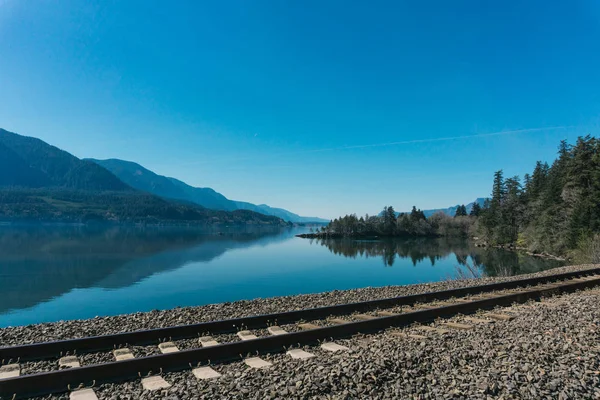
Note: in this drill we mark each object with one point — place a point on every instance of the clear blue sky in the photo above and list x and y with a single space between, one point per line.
274 101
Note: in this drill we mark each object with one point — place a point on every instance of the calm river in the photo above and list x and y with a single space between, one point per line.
50 274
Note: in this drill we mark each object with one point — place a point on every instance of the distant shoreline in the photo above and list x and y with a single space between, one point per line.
321 235
192 224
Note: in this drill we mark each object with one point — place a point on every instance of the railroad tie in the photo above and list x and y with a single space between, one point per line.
276 330
499 317
363 317
155 382
207 341
333 347
257 362
205 373
479 320
299 354
585 278
461 300
455 325
83 394
123 354
338 321
246 335
308 327
386 313
483 297
425 306
10 371
69 362
168 347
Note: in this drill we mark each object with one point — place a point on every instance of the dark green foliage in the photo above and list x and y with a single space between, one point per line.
72 206
461 211
558 206
405 225
39 182
389 220
475 210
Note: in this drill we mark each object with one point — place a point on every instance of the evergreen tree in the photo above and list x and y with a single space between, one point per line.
461 211
476 210
389 220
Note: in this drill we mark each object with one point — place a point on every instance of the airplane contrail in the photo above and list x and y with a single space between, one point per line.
413 141
386 144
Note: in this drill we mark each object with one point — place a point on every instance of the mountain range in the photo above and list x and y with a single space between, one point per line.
42 183
39 181
451 211
143 179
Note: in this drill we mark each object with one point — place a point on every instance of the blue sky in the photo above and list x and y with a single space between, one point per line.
280 102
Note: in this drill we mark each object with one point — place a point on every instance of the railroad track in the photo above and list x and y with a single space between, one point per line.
285 330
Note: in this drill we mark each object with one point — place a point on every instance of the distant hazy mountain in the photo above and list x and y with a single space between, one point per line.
39 182
451 211
142 178
278 212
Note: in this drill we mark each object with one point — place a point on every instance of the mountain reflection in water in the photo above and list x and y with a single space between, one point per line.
54 273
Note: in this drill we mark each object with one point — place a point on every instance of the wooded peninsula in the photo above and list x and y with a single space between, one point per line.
555 210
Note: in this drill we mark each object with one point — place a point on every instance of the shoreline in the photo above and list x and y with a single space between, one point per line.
546 256
316 235
548 349
188 315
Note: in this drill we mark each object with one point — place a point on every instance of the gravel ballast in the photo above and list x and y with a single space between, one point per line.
549 350
189 315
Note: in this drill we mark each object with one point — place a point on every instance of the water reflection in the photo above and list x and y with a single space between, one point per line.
37 264
475 260
49 274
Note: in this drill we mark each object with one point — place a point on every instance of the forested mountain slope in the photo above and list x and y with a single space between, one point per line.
142 178
39 182
57 167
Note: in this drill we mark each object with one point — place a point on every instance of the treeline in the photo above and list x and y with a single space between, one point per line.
80 206
555 209
391 224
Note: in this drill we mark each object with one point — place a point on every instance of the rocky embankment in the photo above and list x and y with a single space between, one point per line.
513 247
550 350
188 315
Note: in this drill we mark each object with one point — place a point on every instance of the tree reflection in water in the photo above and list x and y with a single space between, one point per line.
489 262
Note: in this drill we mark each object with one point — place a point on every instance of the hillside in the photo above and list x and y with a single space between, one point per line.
143 179
36 163
71 206
279 212
39 182
15 171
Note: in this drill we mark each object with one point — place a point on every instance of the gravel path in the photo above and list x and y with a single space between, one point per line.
188 315
550 350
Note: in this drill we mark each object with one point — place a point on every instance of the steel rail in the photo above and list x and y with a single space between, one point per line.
59 381
44 350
